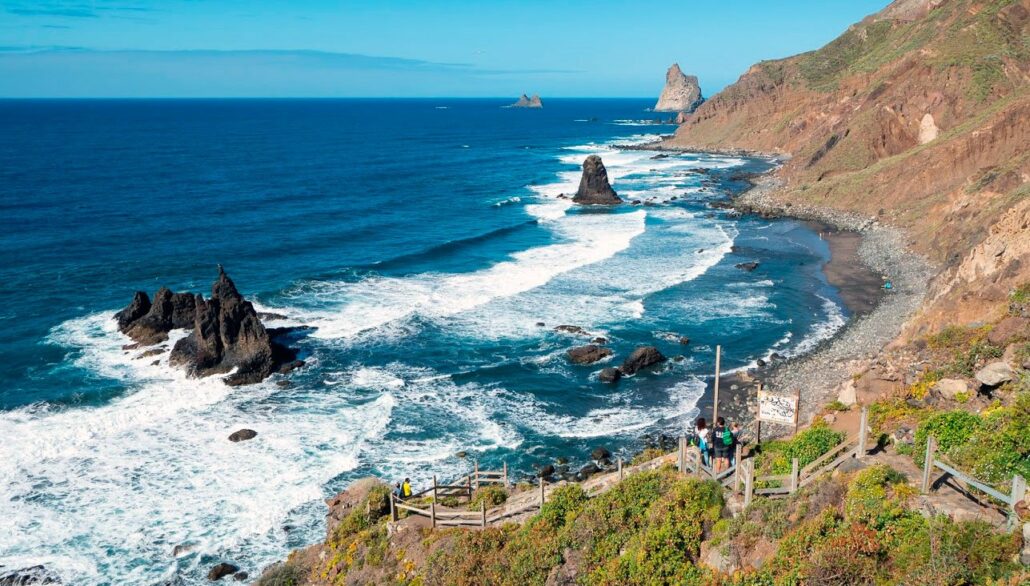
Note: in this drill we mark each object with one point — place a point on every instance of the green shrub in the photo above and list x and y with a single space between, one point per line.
563 504
999 447
490 495
950 428
871 498
284 574
807 446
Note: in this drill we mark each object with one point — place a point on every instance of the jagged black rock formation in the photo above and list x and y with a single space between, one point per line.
227 333
594 188
642 357
609 375
149 322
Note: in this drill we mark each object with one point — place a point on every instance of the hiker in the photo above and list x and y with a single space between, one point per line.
735 432
701 432
397 492
406 488
722 439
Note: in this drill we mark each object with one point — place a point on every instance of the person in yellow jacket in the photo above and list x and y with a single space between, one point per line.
406 488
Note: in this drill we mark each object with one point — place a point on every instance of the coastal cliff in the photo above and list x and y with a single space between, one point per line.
682 93
917 117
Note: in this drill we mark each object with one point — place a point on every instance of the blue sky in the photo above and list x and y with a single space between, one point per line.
398 48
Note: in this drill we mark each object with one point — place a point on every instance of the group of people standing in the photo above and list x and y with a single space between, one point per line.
402 490
717 444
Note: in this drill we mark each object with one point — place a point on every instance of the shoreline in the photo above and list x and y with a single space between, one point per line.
860 241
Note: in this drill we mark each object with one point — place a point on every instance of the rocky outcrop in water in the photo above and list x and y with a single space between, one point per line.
588 354
594 188
525 101
682 93
227 333
26 576
149 322
641 358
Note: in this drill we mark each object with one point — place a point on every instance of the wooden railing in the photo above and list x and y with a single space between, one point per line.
738 478
1015 496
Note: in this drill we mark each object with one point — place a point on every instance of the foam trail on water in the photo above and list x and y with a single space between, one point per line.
122 484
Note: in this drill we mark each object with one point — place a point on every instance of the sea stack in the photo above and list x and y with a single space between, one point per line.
226 332
594 188
682 93
527 102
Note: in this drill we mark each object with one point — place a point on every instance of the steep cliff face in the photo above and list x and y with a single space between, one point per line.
920 116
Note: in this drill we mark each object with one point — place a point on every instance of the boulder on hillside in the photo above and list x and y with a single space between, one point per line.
995 374
1010 329
949 388
341 505
588 354
594 188
642 357
681 93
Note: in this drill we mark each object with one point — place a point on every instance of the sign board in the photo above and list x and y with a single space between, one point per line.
777 408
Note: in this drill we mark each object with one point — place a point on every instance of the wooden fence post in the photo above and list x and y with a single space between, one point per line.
432 513
477 474
482 511
715 395
621 475
505 481
470 486
682 463
736 468
1018 493
794 471
931 447
434 488
393 509
863 423
749 482
543 497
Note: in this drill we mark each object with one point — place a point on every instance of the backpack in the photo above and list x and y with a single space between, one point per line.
727 438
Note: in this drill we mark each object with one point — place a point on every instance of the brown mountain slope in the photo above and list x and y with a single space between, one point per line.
920 116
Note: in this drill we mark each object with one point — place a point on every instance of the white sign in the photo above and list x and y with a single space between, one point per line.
777 408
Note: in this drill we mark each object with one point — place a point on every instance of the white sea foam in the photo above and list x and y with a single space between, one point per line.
823 330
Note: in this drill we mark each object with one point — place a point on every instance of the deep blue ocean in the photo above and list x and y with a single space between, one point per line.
421 239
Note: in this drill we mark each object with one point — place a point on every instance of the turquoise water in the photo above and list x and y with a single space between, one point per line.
421 239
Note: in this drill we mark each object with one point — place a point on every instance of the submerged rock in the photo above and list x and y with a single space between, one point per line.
28 576
594 188
222 570
747 266
242 435
642 357
682 93
609 375
588 354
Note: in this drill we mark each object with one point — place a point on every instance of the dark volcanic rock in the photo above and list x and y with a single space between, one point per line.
222 570
227 335
545 471
571 329
594 188
642 357
588 354
242 435
138 308
600 453
28 576
747 266
609 375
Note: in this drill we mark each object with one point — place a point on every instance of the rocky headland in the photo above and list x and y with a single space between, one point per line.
525 101
682 93
594 188
226 334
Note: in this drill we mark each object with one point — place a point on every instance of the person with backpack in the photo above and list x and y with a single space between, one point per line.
722 443
735 430
701 437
